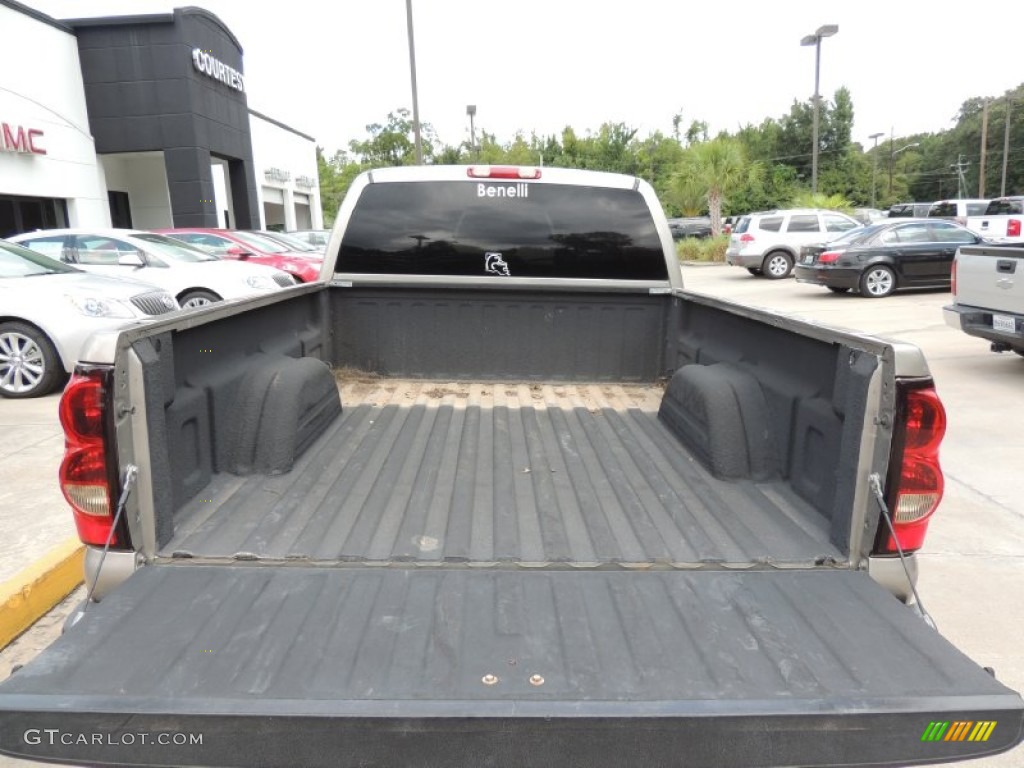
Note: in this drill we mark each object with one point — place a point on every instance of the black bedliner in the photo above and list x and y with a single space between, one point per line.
512 485
418 666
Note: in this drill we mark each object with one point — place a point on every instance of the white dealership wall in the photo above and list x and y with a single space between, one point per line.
143 176
41 88
287 179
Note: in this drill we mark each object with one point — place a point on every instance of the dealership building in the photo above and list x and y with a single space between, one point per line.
141 121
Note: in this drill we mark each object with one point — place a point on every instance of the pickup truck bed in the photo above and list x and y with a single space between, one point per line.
569 514
509 474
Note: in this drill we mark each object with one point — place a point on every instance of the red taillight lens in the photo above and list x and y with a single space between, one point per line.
915 479
746 238
926 422
1013 228
952 279
84 472
81 408
502 172
828 257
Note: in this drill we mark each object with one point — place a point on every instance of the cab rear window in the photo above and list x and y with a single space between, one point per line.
943 210
502 229
1005 207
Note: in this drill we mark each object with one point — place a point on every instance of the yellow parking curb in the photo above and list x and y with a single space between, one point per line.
33 591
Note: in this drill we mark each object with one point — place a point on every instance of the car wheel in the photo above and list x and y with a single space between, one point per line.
777 265
29 364
877 282
754 271
837 289
193 299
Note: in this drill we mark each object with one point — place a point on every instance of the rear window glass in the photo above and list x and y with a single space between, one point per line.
943 210
742 225
976 209
1004 207
770 224
901 211
504 229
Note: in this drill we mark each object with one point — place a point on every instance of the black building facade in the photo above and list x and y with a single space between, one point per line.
173 83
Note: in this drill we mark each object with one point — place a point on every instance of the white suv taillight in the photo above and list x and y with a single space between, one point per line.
915 484
85 477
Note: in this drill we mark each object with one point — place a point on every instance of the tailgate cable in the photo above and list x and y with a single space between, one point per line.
131 473
876 487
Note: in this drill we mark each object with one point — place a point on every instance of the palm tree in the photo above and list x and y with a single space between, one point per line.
718 167
821 200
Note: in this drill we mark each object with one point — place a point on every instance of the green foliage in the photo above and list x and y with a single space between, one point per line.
394 143
718 167
702 249
759 167
808 199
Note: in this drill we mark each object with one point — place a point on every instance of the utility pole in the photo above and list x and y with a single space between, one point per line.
891 145
984 144
874 168
1006 148
415 96
961 180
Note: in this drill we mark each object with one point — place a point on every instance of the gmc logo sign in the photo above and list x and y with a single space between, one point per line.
18 139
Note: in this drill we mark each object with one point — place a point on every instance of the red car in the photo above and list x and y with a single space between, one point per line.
246 246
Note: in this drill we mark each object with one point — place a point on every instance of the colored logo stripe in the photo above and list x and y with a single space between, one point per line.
959 730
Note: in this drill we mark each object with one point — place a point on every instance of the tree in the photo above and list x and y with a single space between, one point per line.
394 143
719 167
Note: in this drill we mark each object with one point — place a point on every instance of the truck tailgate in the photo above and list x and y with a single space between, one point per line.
991 278
385 666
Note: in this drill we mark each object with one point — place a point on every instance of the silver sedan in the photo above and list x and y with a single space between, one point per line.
49 309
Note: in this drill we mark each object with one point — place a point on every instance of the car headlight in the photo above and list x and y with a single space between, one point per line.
93 306
261 283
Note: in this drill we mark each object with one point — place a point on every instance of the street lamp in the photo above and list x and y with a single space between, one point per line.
874 170
471 111
892 155
824 31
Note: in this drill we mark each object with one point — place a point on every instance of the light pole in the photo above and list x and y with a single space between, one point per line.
824 31
415 96
874 169
892 155
471 111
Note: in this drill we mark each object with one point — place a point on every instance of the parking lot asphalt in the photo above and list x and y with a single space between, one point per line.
972 565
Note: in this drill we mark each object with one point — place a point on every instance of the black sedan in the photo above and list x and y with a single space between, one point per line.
881 258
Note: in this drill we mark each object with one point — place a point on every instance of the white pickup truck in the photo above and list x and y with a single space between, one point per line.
988 295
548 509
1003 220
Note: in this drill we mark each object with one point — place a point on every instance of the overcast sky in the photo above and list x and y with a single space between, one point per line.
330 68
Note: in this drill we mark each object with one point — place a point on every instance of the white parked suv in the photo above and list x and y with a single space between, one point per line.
768 243
193 276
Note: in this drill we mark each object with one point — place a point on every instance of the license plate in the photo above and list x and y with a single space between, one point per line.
1004 323
809 258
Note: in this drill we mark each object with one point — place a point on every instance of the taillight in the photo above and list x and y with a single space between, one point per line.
828 257
915 484
1013 228
85 473
952 279
746 237
502 172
